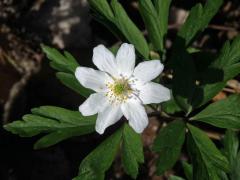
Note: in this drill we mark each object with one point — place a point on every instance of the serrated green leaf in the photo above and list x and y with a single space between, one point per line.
185 92
175 178
71 82
64 62
197 21
94 166
224 113
188 170
225 67
150 17
103 7
231 146
168 144
162 8
129 29
58 123
132 151
206 158
235 173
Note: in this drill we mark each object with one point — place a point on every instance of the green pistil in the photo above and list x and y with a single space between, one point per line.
121 88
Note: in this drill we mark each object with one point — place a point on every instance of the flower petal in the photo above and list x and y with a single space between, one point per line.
126 59
92 79
104 60
136 115
154 93
148 70
93 104
110 115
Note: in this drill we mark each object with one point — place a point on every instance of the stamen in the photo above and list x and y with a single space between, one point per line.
120 90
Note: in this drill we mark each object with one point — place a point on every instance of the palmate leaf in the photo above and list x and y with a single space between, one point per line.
223 68
235 173
168 145
197 21
58 123
132 151
231 145
175 178
162 8
206 158
224 113
94 166
188 170
115 18
61 62
230 150
66 64
184 87
129 29
150 16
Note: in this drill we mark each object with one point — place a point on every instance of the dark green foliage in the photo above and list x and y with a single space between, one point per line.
57 123
206 158
224 113
66 64
168 145
132 151
94 166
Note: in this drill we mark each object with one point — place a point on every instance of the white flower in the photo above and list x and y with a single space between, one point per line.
120 88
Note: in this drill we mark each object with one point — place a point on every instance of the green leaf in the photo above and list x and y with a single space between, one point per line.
168 144
58 123
132 151
235 173
62 62
71 82
162 8
197 21
170 107
225 67
150 17
188 170
224 113
231 145
184 87
175 178
129 29
102 7
206 158
94 166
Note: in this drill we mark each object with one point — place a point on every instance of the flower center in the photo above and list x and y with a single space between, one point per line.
120 90
121 87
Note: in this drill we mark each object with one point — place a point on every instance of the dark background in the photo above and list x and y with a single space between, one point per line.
27 81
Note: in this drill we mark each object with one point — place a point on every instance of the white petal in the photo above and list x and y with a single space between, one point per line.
110 115
94 103
92 79
104 60
136 115
154 93
126 59
148 70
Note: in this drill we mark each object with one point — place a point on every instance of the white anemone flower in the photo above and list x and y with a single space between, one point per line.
121 88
